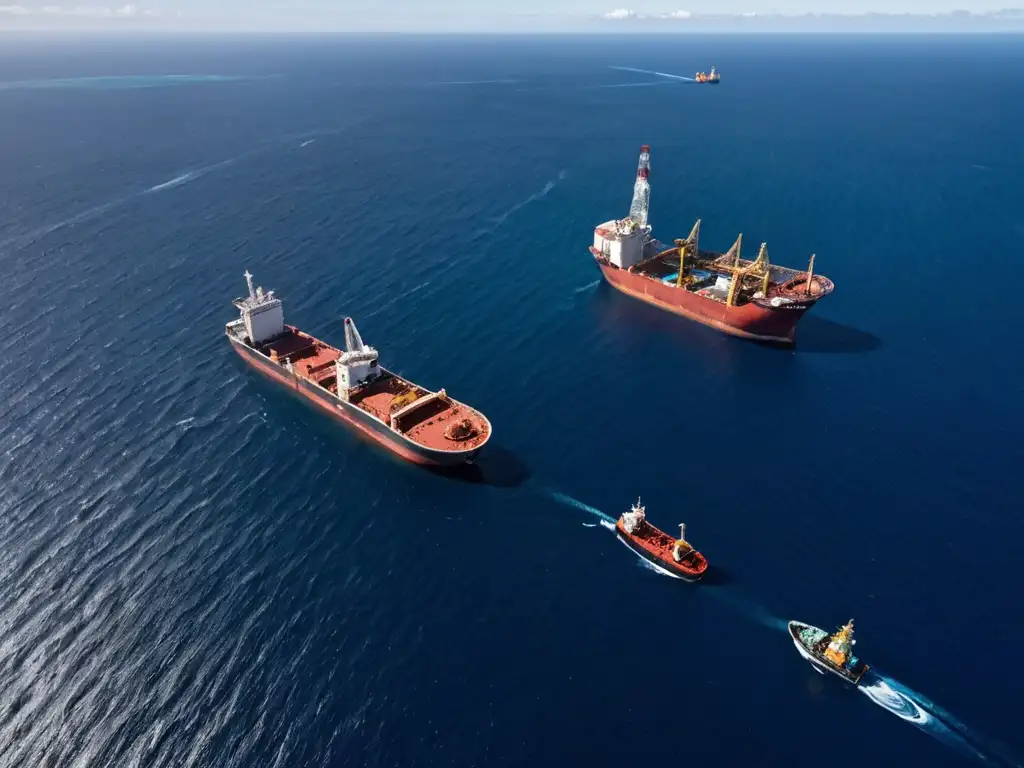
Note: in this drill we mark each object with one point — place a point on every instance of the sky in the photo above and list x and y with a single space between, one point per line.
477 15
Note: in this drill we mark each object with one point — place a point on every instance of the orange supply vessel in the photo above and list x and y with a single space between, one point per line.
677 556
711 78
751 299
421 426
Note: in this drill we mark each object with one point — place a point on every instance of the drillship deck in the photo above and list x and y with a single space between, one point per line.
751 299
422 426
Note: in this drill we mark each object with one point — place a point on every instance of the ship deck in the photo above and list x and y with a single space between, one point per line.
660 544
386 395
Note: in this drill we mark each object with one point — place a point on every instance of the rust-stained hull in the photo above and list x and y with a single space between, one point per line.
749 321
655 546
360 421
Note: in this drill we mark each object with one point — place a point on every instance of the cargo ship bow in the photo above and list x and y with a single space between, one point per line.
751 299
421 426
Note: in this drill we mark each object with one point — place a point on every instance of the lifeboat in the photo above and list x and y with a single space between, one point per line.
676 556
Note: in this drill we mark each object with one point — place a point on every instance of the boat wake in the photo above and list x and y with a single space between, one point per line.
746 607
306 143
499 220
654 72
586 287
915 708
569 501
475 82
177 181
645 84
391 302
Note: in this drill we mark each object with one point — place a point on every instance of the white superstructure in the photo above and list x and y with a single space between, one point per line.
262 313
622 242
634 519
358 363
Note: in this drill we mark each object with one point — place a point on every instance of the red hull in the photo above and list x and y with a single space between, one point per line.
350 416
749 321
655 546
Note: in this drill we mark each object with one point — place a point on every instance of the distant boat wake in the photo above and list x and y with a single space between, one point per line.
653 72
915 708
27 238
569 501
644 84
499 220
474 82
399 297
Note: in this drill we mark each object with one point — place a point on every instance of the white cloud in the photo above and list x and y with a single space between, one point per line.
88 11
678 15
619 14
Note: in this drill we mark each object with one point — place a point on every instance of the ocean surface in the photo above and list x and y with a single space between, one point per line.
197 569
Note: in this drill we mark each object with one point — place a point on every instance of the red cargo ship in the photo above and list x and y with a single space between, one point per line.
421 426
676 556
750 299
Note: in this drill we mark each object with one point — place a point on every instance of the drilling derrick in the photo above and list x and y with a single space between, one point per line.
642 189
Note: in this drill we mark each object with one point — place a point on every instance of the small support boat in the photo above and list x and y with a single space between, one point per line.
829 653
677 556
712 77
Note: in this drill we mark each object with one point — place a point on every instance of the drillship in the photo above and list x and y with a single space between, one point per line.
676 556
421 426
712 77
829 653
750 299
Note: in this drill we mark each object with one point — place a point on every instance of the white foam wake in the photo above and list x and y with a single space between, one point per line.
390 302
577 504
550 185
587 287
177 181
654 72
915 708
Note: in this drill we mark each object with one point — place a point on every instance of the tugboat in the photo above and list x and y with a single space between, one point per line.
829 653
711 77
676 556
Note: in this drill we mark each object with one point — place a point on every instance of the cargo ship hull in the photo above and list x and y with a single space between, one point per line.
352 416
776 325
664 562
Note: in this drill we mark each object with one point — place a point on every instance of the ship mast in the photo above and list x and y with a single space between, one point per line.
736 279
690 242
810 275
641 204
762 261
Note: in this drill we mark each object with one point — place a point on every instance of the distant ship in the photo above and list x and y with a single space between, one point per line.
829 653
677 556
712 77
424 427
751 299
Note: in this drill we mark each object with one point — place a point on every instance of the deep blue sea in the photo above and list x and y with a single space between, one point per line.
197 569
